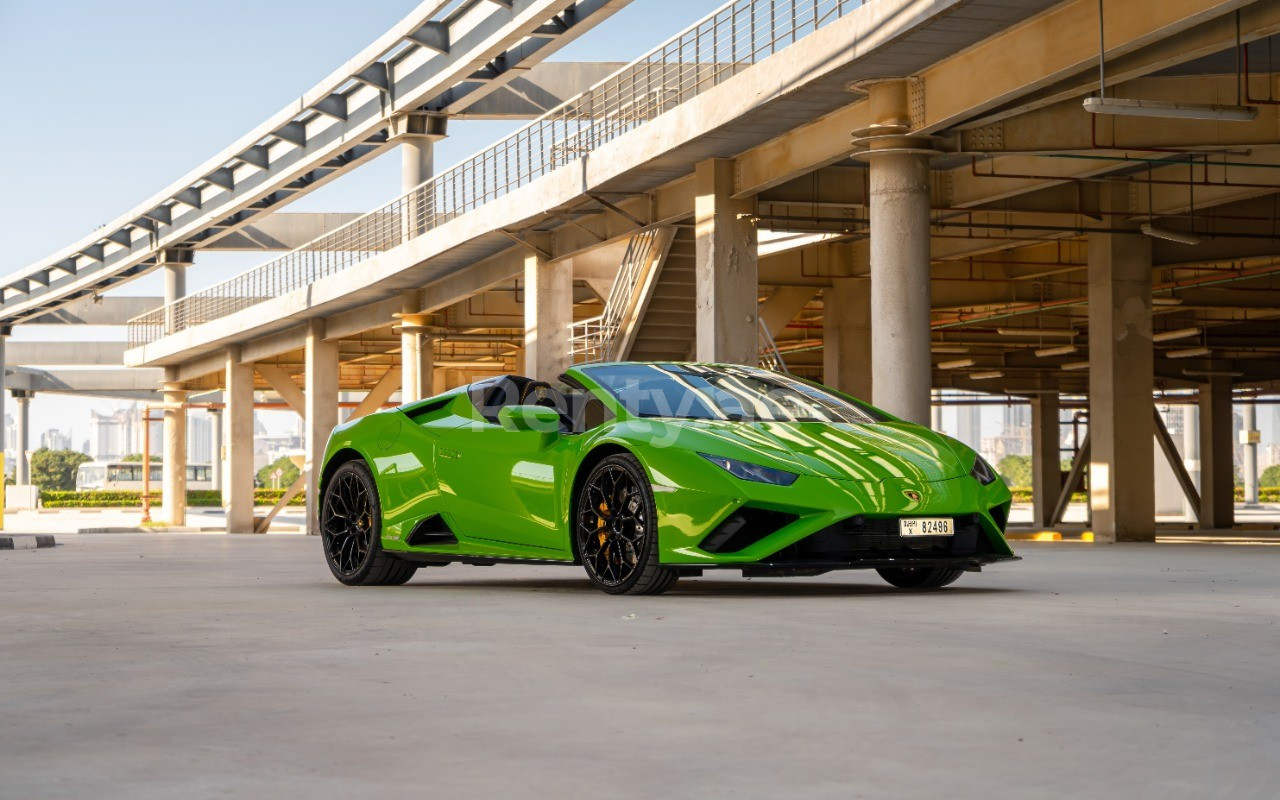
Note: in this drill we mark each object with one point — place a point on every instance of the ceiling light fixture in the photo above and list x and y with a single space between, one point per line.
1191 352
1064 350
1072 366
984 376
959 363
1129 107
1168 235
1169 336
1209 373
1037 331
1166 301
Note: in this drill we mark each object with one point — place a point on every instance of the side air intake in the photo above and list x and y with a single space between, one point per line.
432 531
745 527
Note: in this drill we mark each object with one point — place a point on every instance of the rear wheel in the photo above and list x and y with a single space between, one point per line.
616 529
351 531
920 577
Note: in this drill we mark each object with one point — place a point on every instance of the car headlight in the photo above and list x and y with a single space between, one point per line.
752 472
982 472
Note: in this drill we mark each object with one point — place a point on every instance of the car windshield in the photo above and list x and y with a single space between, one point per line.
689 391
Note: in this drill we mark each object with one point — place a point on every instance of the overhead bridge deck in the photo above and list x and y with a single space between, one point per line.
733 82
444 57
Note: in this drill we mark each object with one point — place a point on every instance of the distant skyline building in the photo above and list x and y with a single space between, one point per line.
54 439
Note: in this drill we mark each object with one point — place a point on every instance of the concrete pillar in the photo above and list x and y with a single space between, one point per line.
417 133
846 337
321 366
1046 457
1121 424
4 445
173 265
237 493
215 449
417 356
1249 468
417 161
22 443
1191 453
174 453
899 203
936 422
548 312
1217 451
726 270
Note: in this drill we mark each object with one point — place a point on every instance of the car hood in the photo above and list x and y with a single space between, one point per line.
871 452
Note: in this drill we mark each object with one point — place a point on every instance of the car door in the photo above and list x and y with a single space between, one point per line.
504 485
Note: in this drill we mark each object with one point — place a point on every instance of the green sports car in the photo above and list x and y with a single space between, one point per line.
643 472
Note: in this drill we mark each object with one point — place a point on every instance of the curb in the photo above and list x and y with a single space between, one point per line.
25 541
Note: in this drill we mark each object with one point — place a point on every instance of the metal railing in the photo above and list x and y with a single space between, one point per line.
729 40
593 339
770 355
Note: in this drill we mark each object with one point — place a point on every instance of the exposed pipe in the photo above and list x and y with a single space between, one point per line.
1249 98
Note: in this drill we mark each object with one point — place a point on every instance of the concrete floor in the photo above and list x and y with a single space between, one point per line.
163 666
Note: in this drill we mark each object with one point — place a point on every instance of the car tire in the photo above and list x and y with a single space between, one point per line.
351 531
606 540
920 577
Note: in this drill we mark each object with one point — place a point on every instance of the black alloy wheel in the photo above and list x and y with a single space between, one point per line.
616 529
351 531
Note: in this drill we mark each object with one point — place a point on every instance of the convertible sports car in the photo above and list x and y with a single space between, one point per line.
643 472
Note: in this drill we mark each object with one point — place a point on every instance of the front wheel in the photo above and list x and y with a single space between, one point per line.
616 529
920 577
351 531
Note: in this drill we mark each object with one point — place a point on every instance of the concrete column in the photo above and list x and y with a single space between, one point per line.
1046 457
936 422
417 357
726 269
417 161
1191 453
22 422
1250 452
238 486
173 264
548 312
417 133
1217 467
899 250
4 445
174 435
1121 425
846 337
321 365
215 449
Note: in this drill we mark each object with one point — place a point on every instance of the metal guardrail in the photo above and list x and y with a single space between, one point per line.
729 40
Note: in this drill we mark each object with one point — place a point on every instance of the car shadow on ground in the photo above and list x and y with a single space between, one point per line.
700 587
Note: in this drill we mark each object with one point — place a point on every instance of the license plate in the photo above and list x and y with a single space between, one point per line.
926 526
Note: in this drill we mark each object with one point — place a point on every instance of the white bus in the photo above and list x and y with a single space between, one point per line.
127 476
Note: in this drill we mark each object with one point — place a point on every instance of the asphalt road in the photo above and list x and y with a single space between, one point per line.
165 666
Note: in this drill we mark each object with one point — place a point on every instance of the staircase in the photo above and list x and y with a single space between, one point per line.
666 327
651 313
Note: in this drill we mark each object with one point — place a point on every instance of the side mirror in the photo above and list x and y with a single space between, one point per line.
539 419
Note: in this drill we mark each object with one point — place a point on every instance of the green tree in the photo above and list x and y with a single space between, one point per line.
288 469
55 470
1270 476
136 458
1016 470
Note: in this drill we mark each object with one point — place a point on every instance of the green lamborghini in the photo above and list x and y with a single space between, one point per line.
644 472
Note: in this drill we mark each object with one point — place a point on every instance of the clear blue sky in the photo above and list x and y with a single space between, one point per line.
111 100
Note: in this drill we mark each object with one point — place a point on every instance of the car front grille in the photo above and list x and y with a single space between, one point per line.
863 537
